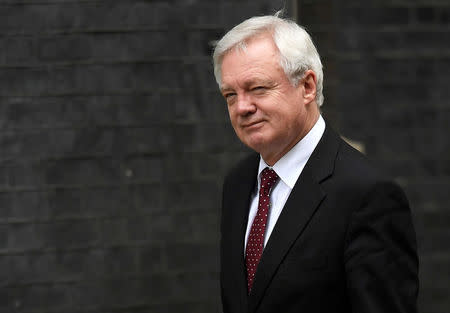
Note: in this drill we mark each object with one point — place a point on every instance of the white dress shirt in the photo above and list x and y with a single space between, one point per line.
288 168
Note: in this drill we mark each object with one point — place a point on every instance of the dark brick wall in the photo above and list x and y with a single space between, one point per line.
114 141
113 145
387 76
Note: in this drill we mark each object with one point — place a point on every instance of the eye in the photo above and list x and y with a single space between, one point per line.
259 89
229 94
229 97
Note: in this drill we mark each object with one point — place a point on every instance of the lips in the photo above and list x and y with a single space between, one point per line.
247 125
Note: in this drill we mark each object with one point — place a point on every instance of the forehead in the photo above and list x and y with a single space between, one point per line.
258 60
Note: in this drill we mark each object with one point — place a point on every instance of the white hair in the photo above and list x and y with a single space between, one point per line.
297 51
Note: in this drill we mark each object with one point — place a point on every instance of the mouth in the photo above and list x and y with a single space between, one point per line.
252 124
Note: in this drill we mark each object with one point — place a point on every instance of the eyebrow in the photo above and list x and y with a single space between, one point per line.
225 89
249 83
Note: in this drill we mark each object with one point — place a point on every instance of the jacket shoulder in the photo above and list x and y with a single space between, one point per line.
245 166
354 164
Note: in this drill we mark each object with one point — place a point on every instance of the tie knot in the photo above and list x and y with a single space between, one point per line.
268 180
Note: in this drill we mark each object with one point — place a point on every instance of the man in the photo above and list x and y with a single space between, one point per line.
308 225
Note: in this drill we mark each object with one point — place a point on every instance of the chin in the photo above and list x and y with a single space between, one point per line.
256 144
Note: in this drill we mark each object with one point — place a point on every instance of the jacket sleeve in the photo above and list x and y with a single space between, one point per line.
380 253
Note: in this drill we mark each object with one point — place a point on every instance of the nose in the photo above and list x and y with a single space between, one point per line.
245 105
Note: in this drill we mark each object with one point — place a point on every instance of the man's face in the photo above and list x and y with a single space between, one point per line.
267 112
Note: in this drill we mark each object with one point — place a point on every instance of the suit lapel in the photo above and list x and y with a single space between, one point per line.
301 205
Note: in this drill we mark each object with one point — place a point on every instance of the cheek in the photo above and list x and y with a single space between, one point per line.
233 119
231 115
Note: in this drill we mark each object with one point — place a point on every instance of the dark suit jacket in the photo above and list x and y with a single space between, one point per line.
344 241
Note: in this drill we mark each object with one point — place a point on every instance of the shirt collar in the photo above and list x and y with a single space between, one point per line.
291 165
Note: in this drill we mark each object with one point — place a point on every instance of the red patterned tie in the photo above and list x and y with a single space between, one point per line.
255 242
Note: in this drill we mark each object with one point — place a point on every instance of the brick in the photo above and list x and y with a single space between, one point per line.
82 171
161 288
119 261
184 137
29 205
200 42
111 47
69 234
65 48
140 110
152 259
188 137
180 256
214 107
403 166
102 201
38 143
20 18
154 228
67 203
29 298
208 166
48 267
23 81
397 99
26 112
367 15
18 143
6 203
185 306
82 264
188 195
25 174
150 139
89 295
210 14
122 293
87 79
425 14
24 237
390 71
201 227
401 116
76 16
434 242
145 198
392 146
207 286
426 40
308 12
16 49
441 68
4 172
232 16
444 15
185 107
214 138
143 169
180 166
114 231
159 75
427 194
4 236
433 300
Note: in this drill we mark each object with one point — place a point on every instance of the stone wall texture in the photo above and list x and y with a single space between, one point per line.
114 141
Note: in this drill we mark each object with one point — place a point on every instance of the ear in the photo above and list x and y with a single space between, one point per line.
309 83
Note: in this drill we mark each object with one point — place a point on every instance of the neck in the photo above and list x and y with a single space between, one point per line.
272 158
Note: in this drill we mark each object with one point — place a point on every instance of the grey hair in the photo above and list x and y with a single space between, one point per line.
297 51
